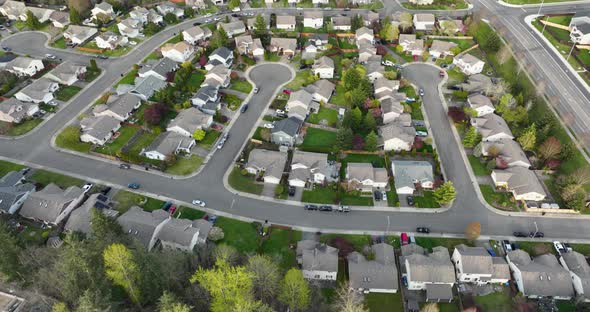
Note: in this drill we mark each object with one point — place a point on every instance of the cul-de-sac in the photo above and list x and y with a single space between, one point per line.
294 155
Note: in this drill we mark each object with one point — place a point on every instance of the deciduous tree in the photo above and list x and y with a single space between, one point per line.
550 149
226 253
259 25
445 193
219 39
295 292
9 264
199 135
349 300
471 138
169 303
473 230
266 277
232 4
358 143
406 21
122 270
216 234
448 28
351 79
389 32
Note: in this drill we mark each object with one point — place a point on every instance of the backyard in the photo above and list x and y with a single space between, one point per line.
497 302
278 245
479 169
318 140
241 235
325 116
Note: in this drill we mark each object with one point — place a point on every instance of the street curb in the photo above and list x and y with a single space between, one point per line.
536 5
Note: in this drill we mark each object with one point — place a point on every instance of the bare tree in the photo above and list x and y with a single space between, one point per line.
550 149
348 300
473 230
430 307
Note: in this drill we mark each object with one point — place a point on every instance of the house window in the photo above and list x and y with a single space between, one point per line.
317 276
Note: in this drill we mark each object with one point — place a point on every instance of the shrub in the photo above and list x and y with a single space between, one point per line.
216 234
244 172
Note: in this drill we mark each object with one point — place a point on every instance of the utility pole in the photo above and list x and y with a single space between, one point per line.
571 50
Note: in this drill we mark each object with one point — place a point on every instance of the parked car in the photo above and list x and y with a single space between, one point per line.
196 24
167 206
536 234
199 203
287 91
172 209
421 134
50 56
410 200
387 63
519 234
343 208
421 92
292 191
377 195
310 207
280 112
384 195
256 90
422 229
52 103
268 126
87 187
221 143
404 239
133 186
7 49
125 166
559 248
303 66
326 208
507 246
244 108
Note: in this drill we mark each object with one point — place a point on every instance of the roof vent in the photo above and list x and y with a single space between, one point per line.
548 277
541 277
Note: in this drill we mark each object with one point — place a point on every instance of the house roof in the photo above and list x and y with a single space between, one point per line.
60 17
48 203
179 46
309 159
15 108
317 36
323 62
80 32
408 172
363 31
374 67
317 257
148 85
12 189
443 292
99 127
477 83
80 219
322 87
243 40
501 269
468 59
197 31
424 17
39 88
491 124
541 276
182 231
510 150
475 260
271 162
389 105
478 100
20 62
289 126
341 21
104 6
65 70
442 46
364 171
190 120
313 14
14 7
161 66
124 105
141 224
232 27
284 43
301 96
386 83
520 180
397 131
206 93
285 20
380 273
435 267
577 264
168 143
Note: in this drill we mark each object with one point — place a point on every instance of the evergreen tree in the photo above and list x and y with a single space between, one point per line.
344 138
75 17
260 26
32 21
445 193
371 142
472 138
528 139
369 122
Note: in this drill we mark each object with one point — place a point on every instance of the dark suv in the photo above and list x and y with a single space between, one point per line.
310 207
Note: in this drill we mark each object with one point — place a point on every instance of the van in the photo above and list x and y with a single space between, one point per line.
412 240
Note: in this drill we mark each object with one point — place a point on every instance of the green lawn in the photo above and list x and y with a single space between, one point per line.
59 43
319 140
185 165
209 139
69 139
23 127
188 213
128 79
277 246
582 248
501 200
355 200
233 102
241 235
497 302
152 56
244 183
91 74
376 160
449 307
426 201
142 142
65 93
302 78
328 115
320 195
357 241
416 110
45 177
126 200
196 79
536 248
125 133
479 169
241 85
449 243
455 76
175 39
392 197
339 97
377 302
6 167
560 19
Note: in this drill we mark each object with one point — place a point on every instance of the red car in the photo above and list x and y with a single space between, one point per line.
287 91
404 239
441 73
172 209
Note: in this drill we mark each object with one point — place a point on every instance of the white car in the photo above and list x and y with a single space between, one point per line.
221 143
236 9
280 112
560 248
132 43
50 56
256 90
87 187
199 203
208 14
268 126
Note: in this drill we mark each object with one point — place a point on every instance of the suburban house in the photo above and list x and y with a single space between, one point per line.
195 34
378 275
392 108
167 144
397 136
66 73
318 261
509 153
220 56
159 68
370 18
286 22
103 11
408 174
269 164
40 91
541 276
286 131
364 35
492 128
207 99
383 85
469 64
341 23
182 234
218 77
146 87
366 52
424 21
478 83
580 28
140 14
233 28
143 225
411 45
441 48
188 121
60 19
24 66
283 46
179 52
579 269
313 168
323 68
155 17
130 27
319 40
14 191
14 10
321 90
98 130
313 19
300 104
170 8
309 51
110 40
252 21
120 108
248 46
364 177
15 111
521 182
475 265
375 69
432 272
81 218
79 35
52 204
481 104
42 14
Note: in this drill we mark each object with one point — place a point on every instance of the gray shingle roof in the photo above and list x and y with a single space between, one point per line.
167 143
272 162
520 180
475 260
322 87
577 264
364 171
317 257
162 66
442 46
394 130
510 150
48 203
435 267
380 273
65 70
99 127
468 59
124 105
491 124
478 100
11 189
289 126
141 224
38 88
408 172
148 86
15 108
190 120
80 219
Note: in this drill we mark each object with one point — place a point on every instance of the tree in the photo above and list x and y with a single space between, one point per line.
81 6
517 115
170 18
399 49
260 25
219 39
528 139
356 22
351 79
507 102
448 27
445 193
371 141
550 149
430 307
389 32
93 65
493 151
369 122
122 270
104 227
406 21
230 287
348 300
295 292
216 234
425 56
92 301
358 143
344 138
199 135
60 307
471 138
266 277
153 114
32 21
189 12
472 231
169 303
232 4
9 264
580 177
356 118
151 29
226 253
75 17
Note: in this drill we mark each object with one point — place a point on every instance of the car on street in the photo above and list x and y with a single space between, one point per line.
166 206
310 207
423 229
104 57
221 143
7 49
196 24
256 90
292 191
519 234
343 208
244 108
507 246
236 9
441 73
133 186
268 126
125 166
172 209
536 234
87 187
198 202
50 56
410 200
421 92
325 208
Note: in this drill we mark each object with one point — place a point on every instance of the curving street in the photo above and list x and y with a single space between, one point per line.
35 150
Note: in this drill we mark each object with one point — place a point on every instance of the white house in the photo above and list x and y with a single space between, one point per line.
130 27
168 144
195 34
14 10
579 270
410 44
15 111
580 28
308 167
110 40
179 52
323 68
432 272
144 226
140 14
521 182
269 164
14 190
365 177
481 104
408 174
24 66
218 77
341 23
441 48
424 21
79 34
102 10
364 35
299 104
119 108
313 19
318 261
469 64
397 136
40 91
221 56
66 73
475 265
286 22
98 130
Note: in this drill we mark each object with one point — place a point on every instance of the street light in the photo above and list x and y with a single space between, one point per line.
571 50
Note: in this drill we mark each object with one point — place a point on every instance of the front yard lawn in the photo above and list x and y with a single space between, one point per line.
21 128
6 167
126 200
377 302
45 177
357 241
449 243
426 201
241 85
497 302
185 165
244 183
64 94
416 110
392 197
125 133
325 116
479 169
302 78
59 43
239 234
277 246
188 213
233 102
356 200
319 140
142 142
69 138
455 76
501 200
320 195
91 74
209 139
128 79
